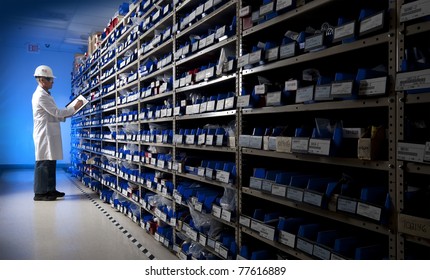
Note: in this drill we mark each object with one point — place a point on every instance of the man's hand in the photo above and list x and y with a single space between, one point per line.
78 104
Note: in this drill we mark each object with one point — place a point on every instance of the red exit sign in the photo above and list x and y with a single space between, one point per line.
33 48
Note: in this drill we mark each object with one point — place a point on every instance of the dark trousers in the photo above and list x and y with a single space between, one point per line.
45 179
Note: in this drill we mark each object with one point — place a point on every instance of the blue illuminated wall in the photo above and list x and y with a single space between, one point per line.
16 89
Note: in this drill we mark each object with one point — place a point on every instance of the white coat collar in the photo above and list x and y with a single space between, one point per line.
43 90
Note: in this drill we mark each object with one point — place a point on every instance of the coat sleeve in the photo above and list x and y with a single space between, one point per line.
48 104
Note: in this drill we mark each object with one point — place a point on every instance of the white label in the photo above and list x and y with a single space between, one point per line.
283 144
243 101
341 88
279 190
255 57
267 185
305 94
410 152
295 194
373 22
319 146
199 10
195 109
413 80
202 43
369 211
216 211
255 183
223 176
229 103
314 42
282 4
226 215
220 105
198 206
201 139
305 246
210 39
273 98
201 171
209 140
346 205
260 89
272 54
255 142
287 50
220 32
223 252
299 144
202 239
243 60
245 11
192 234
211 106
265 9
372 87
291 85
287 238
427 152
313 198
255 225
244 221
415 9
344 31
189 139
321 253
209 173
267 232
211 243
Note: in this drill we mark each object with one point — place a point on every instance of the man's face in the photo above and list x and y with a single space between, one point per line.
47 82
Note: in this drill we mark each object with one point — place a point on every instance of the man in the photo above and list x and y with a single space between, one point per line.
47 135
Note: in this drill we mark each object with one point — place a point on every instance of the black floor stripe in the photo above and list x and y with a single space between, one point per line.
129 236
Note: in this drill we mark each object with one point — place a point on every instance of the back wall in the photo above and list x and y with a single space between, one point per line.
16 89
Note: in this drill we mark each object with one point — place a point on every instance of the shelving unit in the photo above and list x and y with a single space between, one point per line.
202 126
412 173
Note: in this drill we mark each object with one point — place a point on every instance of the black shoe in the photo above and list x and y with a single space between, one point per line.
56 193
44 197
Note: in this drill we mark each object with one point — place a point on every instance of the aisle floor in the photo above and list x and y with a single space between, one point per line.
77 227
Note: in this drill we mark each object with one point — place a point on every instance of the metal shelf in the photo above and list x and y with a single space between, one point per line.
165 47
317 211
300 11
200 53
132 64
332 105
210 20
129 85
418 98
418 28
166 119
207 115
351 162
331 51
164 22
165 69
278 245
157 96
221 79
207 181
207 148
417 168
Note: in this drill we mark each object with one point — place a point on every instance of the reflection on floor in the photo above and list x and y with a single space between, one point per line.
76 227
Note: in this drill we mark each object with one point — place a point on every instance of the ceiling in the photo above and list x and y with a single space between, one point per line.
62 26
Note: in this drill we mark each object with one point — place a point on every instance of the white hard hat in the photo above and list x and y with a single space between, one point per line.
43 71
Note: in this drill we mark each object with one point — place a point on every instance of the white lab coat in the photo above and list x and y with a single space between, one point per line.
46 125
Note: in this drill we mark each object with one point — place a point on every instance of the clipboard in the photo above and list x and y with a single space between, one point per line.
73 102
